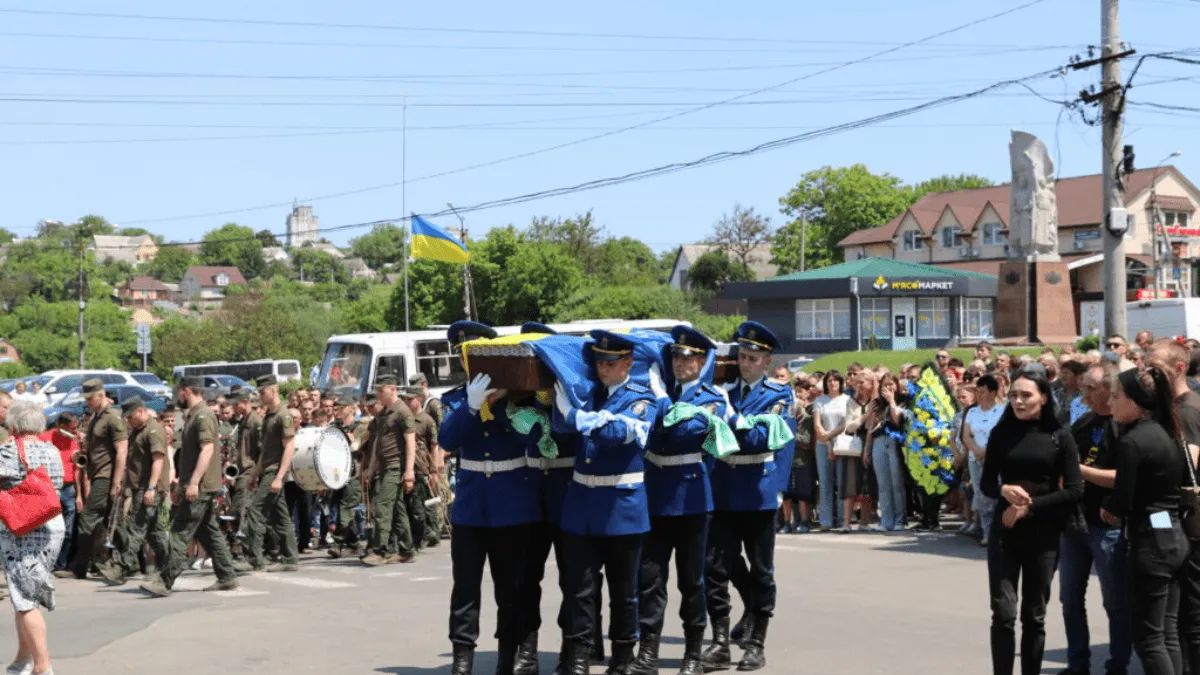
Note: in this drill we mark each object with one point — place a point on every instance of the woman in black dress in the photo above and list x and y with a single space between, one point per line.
1150 471
1037 460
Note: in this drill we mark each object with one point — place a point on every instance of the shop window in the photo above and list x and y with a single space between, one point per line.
876 318
823 319
977 317
912 241
933 318
993 234
951 236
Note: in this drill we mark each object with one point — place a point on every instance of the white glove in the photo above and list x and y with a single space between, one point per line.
561 401
477 390
656 382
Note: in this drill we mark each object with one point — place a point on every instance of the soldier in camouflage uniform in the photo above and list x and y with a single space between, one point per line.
437 516
349 498
423 530
393 453
247 427
269 507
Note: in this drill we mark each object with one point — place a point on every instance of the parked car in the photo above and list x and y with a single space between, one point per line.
73 402
153 383
61 382
796 365
223 383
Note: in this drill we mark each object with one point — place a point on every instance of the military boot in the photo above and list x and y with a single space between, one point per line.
577 656
646 662
693 642
622 658
717 657
527 656
741 629
506 657
754 658
464 660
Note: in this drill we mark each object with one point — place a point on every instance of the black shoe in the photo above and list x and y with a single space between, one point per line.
1072 671
577 659
527 656
622 658
506 658
596 648
755 658
716 657
646 662
741 629
464 660
693 644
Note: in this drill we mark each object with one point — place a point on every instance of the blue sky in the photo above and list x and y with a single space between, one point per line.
143 121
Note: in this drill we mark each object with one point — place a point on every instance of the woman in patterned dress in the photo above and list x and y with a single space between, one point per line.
29 560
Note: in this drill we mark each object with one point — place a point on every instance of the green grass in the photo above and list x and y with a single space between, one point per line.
893 359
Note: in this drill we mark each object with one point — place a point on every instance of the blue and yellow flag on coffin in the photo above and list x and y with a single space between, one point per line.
433 243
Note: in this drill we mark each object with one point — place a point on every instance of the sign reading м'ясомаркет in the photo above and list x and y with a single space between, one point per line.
903 286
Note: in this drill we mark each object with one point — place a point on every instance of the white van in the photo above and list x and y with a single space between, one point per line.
352 361
1165 318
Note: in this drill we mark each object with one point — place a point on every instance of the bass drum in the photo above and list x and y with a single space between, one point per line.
322 459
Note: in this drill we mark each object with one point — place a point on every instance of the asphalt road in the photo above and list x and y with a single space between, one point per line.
859 603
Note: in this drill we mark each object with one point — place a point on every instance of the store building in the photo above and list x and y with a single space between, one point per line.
878 303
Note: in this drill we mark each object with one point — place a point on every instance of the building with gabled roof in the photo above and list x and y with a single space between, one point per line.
134 250
207 283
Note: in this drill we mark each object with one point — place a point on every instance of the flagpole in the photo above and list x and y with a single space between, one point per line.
462 233
404 200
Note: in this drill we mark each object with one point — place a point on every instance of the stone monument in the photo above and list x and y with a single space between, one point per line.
1034 301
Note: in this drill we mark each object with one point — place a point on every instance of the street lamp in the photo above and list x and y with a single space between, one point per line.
1156 225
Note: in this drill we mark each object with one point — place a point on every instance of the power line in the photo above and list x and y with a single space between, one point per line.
676 115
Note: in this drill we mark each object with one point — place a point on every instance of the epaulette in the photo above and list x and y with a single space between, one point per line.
711 388
637 388
774 386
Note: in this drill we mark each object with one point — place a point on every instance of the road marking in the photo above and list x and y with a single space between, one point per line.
307 582
390 574
426 578
196 583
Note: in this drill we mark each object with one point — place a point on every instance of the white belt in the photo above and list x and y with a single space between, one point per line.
609 481
674 460
736 459
547 463
490 466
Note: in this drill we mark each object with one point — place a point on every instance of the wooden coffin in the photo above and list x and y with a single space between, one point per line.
725 370
512 367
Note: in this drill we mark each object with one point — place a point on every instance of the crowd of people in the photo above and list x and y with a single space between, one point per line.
1068 462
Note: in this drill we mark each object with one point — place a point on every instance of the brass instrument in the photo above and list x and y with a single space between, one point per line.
79 459
110 522
232 472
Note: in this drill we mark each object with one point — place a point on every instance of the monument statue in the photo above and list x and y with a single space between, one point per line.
1033 207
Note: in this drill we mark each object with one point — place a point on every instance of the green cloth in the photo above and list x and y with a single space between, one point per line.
525 418
778 432
719 442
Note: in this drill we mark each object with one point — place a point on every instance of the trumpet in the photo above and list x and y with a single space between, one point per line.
79 459
232 471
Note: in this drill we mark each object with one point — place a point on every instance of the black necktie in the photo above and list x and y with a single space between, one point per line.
678 391
745 391
601 396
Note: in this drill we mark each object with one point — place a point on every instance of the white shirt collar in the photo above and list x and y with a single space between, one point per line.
615 387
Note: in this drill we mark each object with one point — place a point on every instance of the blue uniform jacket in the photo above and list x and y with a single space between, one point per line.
504 498
755 487
685 489
612 450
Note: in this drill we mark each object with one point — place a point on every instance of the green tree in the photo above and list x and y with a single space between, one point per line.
516 279
830 203
434 296
383 245
140 231
579 237
640 302
171 263
369 312
948 183
233 244
6 236
266 238
713 270
740 233
627 261
311 264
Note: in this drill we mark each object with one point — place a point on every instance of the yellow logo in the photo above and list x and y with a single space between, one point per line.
880 284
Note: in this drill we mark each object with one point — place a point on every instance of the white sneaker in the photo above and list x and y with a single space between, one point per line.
197 564
207 563
24 668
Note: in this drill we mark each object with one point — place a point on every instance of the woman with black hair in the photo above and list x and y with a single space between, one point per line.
1150 472
1037 460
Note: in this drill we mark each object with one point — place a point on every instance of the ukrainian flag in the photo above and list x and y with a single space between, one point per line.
433 243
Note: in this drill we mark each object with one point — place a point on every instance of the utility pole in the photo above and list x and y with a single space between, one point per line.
462 235
82 304
803 227
1114 198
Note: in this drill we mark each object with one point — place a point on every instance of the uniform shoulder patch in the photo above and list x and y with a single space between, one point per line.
637 388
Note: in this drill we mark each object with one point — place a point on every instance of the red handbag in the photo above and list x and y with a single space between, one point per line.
31 503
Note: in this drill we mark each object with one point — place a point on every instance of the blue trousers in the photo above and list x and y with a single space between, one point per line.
66 498
827 507
1102 548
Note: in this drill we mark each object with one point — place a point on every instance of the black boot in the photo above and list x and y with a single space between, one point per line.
564 656
622 658
693 642
464 660
506 657
527 656
82 557
578 657
741 630
754 658
646 662
716 657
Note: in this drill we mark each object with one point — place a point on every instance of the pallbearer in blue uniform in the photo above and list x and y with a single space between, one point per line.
746 490
604 513
494 510
680 500
550 476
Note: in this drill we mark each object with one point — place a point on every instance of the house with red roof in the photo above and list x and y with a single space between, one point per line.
207 283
